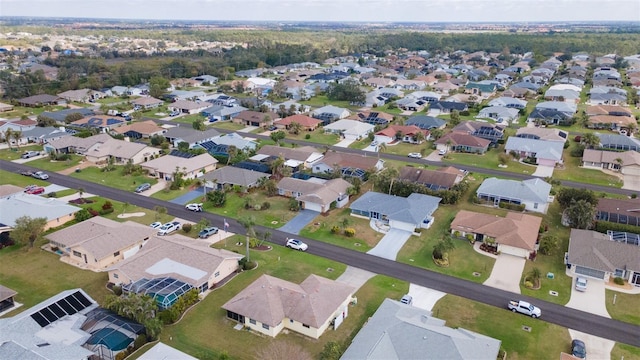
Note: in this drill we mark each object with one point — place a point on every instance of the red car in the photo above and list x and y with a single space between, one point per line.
35 190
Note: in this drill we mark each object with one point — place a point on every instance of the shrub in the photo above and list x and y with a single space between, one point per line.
117 290
528 284
253 242
187 228
464 113
634 195
349 232
106 211
335 229
308 136
107 205
266 205
437 253
618 280
456 233
470 238
257 207
93 212
52 194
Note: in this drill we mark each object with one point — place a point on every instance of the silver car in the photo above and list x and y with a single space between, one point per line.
581 283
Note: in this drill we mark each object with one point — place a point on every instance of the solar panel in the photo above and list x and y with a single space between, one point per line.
75 303
57 310
181 154
40 319
67 308
83 300
49 315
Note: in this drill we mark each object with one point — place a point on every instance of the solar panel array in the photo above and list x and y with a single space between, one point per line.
181 154
69 305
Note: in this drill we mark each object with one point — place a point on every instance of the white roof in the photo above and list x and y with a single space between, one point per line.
162 351
34 206
352 127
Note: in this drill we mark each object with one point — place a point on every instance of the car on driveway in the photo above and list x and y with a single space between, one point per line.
143 187
442 151
169 227
30 154
581 283
407 299
40 175
35 190
297 245
415 155
194 207
155 225
208 231
578 349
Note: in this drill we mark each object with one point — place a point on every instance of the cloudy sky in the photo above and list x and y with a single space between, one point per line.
332 10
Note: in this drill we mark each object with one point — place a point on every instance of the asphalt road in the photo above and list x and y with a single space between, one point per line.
553 313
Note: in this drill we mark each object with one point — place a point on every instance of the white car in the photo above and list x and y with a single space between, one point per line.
168 228
581 283
442 151
40 175
156 225
415 155
194 207
297 245
407 299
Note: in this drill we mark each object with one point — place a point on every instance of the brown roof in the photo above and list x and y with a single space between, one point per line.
148 127
188 105
426 176
619 206
357 161
391 130
8 189
516 229
610 157
318 193
612 119
25 122
270 300
256 116
39 99
6 293
146 101
303 120
458 138
607 109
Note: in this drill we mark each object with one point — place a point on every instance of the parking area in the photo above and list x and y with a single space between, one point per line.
390 244
597 347
345 143
506 273
593 300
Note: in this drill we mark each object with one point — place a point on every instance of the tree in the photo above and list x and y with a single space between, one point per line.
158 86
183 146
455 118
347 91
16 135
580 214
295 128
7 136
198 124
28 230
80 191
566 195
218 197
248 222
44 121
72 117
277 136
590 140
82 215
232 151
549 244
332 351
203 223
619 162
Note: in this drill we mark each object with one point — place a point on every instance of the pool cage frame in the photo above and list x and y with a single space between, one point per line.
96 320
165 291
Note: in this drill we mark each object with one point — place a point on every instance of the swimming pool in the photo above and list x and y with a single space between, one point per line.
111 338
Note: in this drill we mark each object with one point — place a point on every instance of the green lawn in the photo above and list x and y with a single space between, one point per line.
15 153
623 351
228 125
544 341
318 136
7 177
113 178
167 194
19 111
66 192
625 308
55 166
322 100
274 217
573 172
488 161
119 208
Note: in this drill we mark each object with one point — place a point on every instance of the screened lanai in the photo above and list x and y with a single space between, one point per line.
165 291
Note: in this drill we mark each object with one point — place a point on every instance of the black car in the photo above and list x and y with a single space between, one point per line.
578 349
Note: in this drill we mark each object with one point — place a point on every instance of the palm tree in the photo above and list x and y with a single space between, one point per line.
382 147
17 135
295 128
277 167
248 222
619 161
232 151
8 134
590 140
81 191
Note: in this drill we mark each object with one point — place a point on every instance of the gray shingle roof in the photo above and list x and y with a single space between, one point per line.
234 176
413 209
596 251
534 190
543 149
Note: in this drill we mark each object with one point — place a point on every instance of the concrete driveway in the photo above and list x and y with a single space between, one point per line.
592 301
597 347
355 277
543 171
345 143
506 273
390 244
298 223
160 185
188 197
434 156
631 182
423 297
23 161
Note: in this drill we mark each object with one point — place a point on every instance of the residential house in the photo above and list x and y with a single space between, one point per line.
5 107
146 103
407 214
426 122
411 104
399 331
349 129
546 153
328 114
270 305
40 100
7 302
193 137
621 211
21 204
567 108
41 135
72 144
481 89
499 114
316 194
188 107
627 162
179 257
618 142
441 179
509 102
550 117
60 116
610 98
372 117
222 113
623 124
208 79
307 123
102 123
184 95
444 87
427 96
446 107
532 193
297 158
98 242
461 142
405 133
165 167
410 84
163 351
599 256
120 152
612 110
81 95
378 83
561 94
140 130
515 234
255 118
518 92
540 133
349 165
229 176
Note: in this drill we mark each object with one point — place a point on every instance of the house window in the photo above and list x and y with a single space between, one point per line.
619 272
117 253
252 322
535 205
77 253
115 276
265 326
305 325
217 274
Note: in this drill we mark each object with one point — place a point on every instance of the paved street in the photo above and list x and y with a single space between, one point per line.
553 313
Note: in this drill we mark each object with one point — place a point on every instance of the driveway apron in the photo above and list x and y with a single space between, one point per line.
506 273
390 244
188 197
295 225
597 347
355 277
592 301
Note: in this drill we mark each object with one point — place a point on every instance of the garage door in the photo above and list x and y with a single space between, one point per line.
590 272
631 170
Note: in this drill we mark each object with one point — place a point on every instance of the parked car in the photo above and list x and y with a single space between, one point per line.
297 245
208 231
442 152
407 299
415 155
26 173
40 175
169 227
155 225
194 207
578 349
581 283
30 154
143 187
174 113
35 190
524 307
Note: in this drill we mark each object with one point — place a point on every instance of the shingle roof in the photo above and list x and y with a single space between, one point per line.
427 176
22 204
318 193
516 229
610 157
341 159
597 251
303 120
425 122
534 190
413 209
270 300
458 138
543 149
167 164
235 176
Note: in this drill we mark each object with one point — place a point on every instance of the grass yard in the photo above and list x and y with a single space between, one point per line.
228 125
322 100
274 217
545 341
37 275
623 351
7 177
66 192
206 333
55 166
14 153
365 237
625 308
488 161
113 178
20 111
573 172
166 194
119 208
318 136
